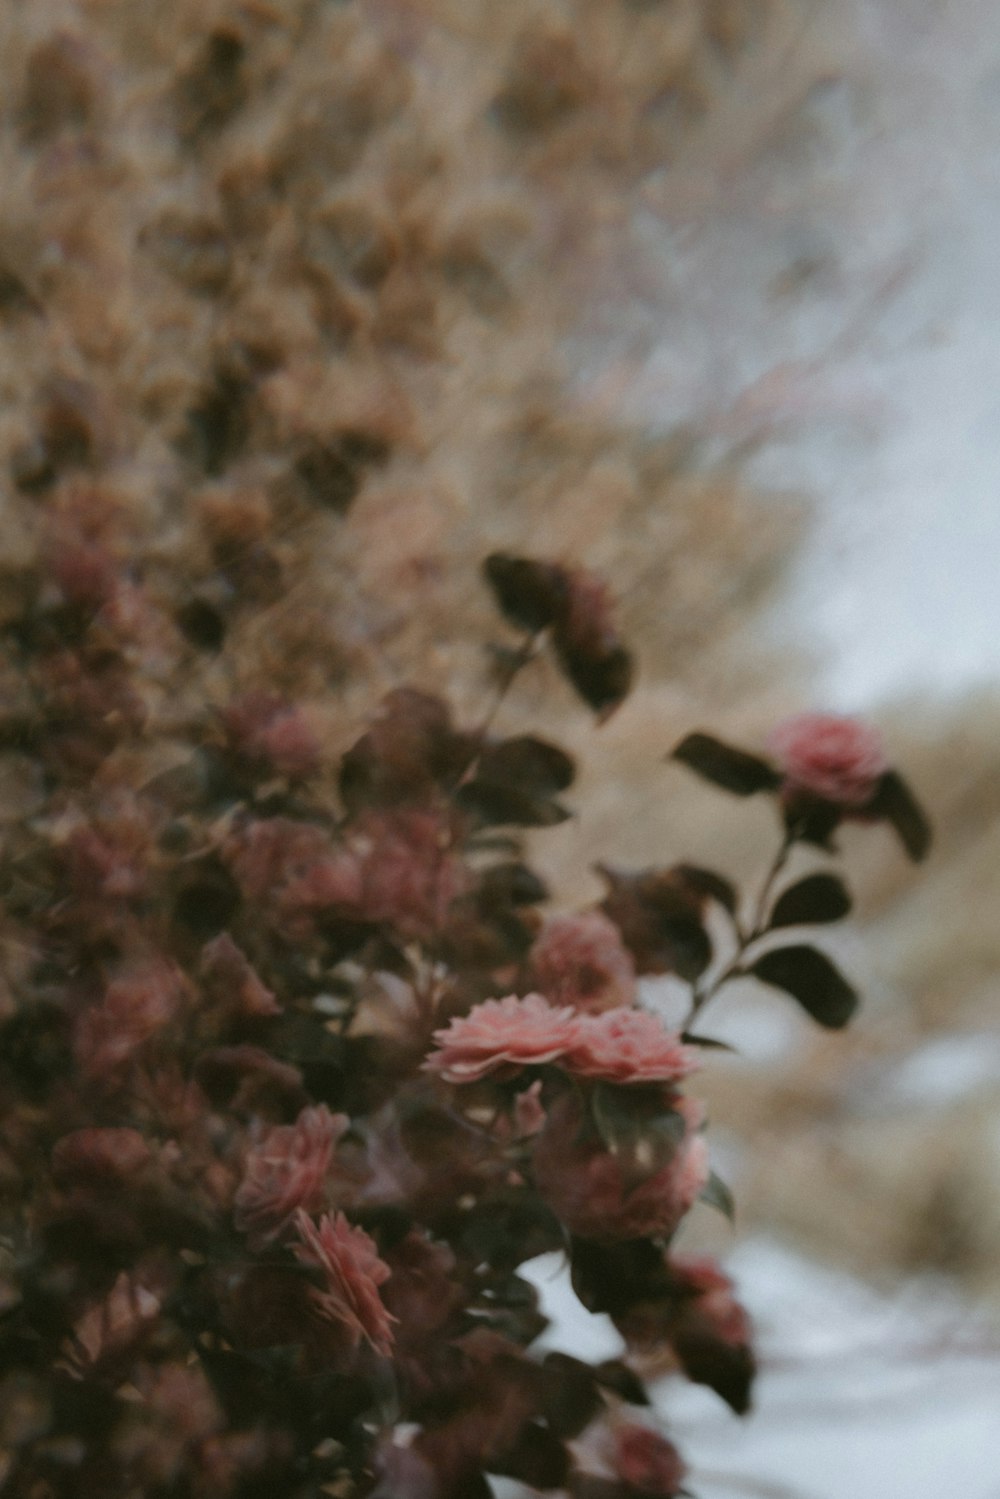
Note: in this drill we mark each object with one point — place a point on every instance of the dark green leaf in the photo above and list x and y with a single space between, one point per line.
602 677
511 884
732 769
820 897
708 885
613 1277
530 594
636 1129
717 1195
709 1043
659 918
707 1359
592 1486
616 1376
528 764
809 820
537 1458
812 979
494 804
895 803
571 1394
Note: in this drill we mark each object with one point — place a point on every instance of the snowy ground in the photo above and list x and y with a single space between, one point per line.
861 1395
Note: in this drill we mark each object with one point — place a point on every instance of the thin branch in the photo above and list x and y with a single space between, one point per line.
734 968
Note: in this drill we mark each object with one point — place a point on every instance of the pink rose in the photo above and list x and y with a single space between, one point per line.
409 872
110 1329
647 1462
837 759
267 730
353 1273
94 1153
285 1171
629 1046
231 980
712 1300
109 855
502 1033
582 961
586 1186
137 1006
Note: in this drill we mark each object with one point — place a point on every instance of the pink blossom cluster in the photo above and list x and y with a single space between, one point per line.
394 867
592 1189
243 995
622 1045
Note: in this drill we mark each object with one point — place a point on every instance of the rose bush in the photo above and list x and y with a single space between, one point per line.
297 1076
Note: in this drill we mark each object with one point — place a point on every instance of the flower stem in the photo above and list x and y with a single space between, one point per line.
508 674
745 939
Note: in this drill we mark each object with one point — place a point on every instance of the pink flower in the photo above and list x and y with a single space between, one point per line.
286 1171
269 731
582 961
423 1289
395 867
231 980
712 1298
136 1007
409 874
587 1187
94 1153
353 1271
110 855
629 1046
647 1462
837 759
502 1033
270 855
112 1327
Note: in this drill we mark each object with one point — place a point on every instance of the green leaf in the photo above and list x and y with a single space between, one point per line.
732 769
616 1376
659 917
709 1043
707 885
636 1129
496 804
601 674
811 978
528 764
717 1195
819 898
531 594
895 803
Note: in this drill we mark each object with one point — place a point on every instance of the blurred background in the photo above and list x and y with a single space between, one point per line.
701 293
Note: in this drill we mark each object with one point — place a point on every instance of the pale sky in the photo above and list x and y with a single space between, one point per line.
828 256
